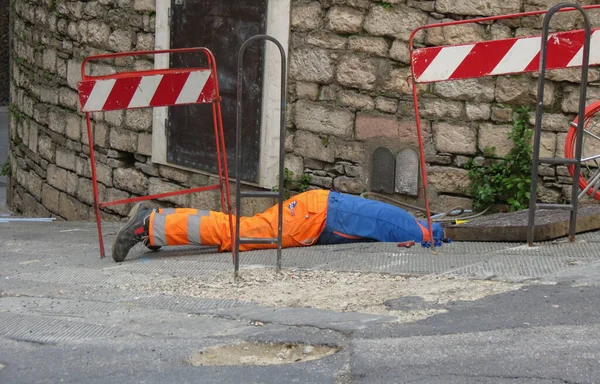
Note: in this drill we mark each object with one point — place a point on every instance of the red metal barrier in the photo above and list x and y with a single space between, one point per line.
155 88
490 58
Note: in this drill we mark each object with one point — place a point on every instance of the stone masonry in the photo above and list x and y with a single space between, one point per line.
50 162
4 52
348 95
348 87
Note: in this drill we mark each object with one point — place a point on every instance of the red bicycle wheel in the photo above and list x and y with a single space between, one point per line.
590 155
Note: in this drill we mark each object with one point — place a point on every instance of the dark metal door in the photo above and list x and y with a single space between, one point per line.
222 27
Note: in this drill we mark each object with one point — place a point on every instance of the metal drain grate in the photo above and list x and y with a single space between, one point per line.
515 266
174 268
186 304
44 330
89 277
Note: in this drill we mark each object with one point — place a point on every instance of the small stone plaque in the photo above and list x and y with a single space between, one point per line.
383 167
407 172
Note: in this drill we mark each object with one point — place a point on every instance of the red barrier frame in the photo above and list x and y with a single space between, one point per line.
415 82
213 97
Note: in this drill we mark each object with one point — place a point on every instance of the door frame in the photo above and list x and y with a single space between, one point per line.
279 28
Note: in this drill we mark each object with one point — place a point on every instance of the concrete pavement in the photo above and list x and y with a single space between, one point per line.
65 317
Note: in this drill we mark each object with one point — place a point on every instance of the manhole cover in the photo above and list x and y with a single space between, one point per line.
260 354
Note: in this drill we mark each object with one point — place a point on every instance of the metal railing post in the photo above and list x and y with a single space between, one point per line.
238 159
576 161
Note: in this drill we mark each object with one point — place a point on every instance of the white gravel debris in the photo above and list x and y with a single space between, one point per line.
331 290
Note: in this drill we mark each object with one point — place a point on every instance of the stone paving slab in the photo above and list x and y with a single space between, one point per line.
512 226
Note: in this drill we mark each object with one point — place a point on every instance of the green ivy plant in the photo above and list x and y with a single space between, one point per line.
5 169
303 182
17 141
300 183
16 113
509 179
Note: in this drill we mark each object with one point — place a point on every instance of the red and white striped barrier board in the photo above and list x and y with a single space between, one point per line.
133 90
501 57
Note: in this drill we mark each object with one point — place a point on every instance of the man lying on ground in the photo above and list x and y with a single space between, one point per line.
313 217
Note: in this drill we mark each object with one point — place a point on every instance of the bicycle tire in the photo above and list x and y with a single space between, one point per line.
570 142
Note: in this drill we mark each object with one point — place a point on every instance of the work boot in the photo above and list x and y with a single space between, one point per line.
133 232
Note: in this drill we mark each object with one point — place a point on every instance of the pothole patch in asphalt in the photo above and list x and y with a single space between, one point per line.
260 354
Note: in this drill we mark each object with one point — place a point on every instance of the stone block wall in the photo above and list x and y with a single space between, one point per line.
349 66
4 52
49 141
348 94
